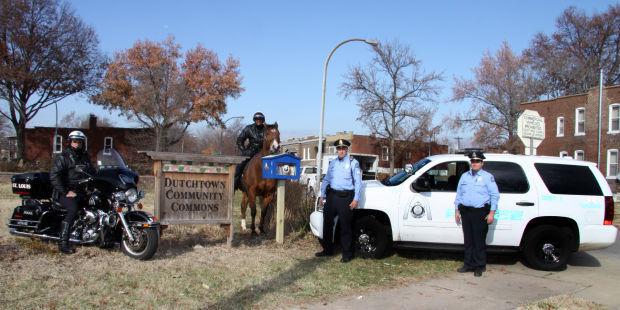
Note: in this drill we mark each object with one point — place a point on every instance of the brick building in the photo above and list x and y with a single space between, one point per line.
572 128
406 152
40 145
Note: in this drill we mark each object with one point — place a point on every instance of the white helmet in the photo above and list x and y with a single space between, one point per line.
77 135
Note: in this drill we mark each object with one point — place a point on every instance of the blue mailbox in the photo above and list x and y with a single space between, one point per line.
281 166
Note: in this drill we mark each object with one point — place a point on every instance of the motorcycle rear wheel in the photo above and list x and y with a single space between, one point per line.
146 241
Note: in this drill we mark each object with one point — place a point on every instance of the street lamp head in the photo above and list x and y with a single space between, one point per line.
372 42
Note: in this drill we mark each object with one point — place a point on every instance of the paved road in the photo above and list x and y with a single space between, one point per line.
593 275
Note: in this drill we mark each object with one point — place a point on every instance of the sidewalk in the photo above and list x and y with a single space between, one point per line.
592 275
498 288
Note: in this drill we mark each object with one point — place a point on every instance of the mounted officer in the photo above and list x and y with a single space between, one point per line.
254 134
64 178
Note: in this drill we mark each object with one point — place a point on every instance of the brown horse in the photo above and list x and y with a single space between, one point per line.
253 182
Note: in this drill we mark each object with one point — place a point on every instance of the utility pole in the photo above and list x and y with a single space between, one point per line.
458 143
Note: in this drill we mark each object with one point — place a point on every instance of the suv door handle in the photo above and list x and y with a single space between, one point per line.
525 203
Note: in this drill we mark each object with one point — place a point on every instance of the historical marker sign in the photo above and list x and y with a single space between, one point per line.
531 130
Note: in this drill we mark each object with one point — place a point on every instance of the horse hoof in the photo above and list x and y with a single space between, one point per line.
254 234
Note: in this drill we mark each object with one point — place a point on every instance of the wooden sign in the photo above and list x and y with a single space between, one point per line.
194 188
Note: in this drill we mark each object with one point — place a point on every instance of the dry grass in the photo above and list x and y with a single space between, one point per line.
563 302
192 269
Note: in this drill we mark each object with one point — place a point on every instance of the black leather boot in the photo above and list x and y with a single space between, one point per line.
63 243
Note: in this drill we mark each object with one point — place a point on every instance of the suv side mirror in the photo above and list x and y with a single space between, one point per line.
422 184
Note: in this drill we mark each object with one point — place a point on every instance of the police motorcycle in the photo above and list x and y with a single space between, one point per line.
110 214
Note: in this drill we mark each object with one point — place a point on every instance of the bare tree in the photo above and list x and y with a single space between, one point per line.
501 83
46 54
394 92
147 83
569 61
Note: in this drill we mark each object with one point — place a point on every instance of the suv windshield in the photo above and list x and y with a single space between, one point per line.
403 175
109 158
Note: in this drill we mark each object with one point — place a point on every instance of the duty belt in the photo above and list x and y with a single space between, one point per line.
342 193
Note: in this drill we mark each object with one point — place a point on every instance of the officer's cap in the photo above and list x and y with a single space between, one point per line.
342 143
476 155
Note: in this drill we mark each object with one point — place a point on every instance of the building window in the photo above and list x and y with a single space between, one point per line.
580 121
331 149
579 155
408 156
308 150
560 127
107 143
612 163
614 118
385 153
563 154
58 144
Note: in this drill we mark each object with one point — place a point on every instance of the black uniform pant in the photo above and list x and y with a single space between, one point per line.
71 205
475 229
338 204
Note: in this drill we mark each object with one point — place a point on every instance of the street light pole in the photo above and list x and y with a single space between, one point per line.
319 157
222 131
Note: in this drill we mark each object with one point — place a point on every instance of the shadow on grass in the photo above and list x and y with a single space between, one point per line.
253 293
495 258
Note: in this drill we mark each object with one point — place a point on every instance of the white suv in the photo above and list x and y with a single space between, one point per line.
549 207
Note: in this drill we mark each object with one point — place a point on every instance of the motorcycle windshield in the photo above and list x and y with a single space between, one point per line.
109 158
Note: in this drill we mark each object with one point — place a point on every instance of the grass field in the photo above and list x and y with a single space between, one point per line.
193 268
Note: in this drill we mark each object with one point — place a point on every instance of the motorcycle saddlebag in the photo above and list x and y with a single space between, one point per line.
35 185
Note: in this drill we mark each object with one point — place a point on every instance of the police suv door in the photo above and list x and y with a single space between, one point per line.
518 202
428 215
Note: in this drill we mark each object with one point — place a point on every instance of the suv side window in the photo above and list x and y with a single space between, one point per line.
445 176
568 179
509 176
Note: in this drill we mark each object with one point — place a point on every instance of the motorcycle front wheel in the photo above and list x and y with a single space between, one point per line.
144 244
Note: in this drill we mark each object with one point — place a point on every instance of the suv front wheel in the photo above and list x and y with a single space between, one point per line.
547 247
370 238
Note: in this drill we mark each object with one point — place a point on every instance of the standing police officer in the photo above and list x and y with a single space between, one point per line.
341 186
64 178
254 133
476 201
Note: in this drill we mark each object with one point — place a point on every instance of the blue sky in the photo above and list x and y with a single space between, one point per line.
282 46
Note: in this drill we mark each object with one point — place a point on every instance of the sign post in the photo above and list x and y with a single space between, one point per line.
531 130
281 167
194 188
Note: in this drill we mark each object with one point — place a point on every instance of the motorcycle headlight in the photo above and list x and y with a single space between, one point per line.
132 195
120 196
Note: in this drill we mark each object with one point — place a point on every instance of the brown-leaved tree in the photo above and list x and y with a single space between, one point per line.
46 54
395 94
147 82
569 61
501 83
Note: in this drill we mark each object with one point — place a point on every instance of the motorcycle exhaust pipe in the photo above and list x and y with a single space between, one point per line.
41 236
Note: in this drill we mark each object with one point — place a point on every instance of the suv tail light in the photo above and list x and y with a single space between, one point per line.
609 210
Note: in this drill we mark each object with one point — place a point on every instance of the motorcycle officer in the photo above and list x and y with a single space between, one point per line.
64 178
254 133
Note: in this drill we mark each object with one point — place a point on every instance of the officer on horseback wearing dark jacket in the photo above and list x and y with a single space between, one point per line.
254 133
64 178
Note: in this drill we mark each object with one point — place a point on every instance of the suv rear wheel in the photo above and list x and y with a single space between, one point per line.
547 247
369 238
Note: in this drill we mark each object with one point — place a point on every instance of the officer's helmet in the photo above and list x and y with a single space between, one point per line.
258 115
77 136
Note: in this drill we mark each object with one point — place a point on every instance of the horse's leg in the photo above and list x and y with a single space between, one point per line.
244 206
252 198
264 204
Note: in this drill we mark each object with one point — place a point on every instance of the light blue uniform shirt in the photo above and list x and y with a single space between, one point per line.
475 190
343 175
